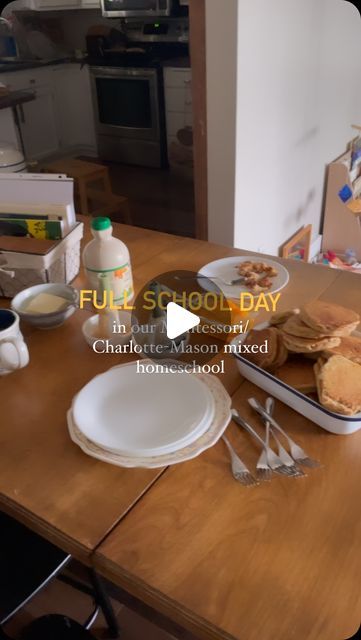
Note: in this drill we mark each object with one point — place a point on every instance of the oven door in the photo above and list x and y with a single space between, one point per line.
136 8
126 102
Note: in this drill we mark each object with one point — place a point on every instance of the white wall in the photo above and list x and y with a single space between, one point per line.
298 90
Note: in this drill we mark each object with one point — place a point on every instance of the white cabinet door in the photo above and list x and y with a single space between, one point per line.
178 90
38 125
8 132
74 108
27 78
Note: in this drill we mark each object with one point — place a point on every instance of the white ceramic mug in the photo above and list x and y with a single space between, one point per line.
14 353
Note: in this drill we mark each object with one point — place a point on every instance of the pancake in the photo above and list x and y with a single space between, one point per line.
309 345
299 374
282 316
295 327
328 318
349 348
339 385
282 352
254 337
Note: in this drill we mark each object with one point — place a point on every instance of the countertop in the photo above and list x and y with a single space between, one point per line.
6 67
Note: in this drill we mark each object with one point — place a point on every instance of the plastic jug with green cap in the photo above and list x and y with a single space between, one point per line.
107 263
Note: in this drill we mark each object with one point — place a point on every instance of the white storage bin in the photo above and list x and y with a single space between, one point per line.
61 264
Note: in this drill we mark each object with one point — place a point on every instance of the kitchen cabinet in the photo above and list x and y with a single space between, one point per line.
38 125
8 132
74 109
37 118
178 101
60 120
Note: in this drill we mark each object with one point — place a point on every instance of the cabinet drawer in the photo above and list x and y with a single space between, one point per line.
179 100
28 79
177 121
177 77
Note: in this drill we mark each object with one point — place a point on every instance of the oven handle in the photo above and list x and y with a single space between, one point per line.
123 72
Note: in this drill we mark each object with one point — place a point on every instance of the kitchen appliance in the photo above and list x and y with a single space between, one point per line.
136 8
11 159
128 91
129 115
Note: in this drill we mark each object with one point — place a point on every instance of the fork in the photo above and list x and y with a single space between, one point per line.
283 454
239 470
264 471
297 453
229 283
273 460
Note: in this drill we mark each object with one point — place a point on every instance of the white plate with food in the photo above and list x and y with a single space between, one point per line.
253 274
143 414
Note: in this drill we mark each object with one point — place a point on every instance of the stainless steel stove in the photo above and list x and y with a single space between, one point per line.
128 93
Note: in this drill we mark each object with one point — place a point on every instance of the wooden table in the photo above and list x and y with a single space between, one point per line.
224 562
279 561
45 480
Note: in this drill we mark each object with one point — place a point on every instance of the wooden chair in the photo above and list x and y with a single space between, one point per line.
91 200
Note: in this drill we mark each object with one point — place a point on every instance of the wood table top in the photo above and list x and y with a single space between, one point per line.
280 560
190 534
45 480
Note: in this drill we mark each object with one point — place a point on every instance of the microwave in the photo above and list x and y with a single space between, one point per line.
136 8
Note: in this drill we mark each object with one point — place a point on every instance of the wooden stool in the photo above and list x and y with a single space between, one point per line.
85 174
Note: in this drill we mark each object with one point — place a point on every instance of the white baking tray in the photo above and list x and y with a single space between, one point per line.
311 409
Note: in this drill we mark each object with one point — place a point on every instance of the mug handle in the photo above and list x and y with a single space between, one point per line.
21 350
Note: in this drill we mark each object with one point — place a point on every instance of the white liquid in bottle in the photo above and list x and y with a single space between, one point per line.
107 263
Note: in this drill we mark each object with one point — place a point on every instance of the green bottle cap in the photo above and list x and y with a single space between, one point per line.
100 224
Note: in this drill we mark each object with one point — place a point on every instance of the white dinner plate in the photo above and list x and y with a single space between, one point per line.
226 270
143 414
219 422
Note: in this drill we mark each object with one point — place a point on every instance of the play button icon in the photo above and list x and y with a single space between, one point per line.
179 320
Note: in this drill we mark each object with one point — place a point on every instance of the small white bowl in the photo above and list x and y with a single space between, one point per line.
46 320
91 325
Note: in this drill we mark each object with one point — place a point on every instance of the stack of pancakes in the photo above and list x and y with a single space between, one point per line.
275 355
318 326
319 331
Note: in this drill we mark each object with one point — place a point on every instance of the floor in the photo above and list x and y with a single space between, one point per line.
60 598
159 199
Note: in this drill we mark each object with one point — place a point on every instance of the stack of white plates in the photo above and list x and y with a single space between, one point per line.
134 419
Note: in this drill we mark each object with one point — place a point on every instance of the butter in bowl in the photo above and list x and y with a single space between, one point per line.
46 306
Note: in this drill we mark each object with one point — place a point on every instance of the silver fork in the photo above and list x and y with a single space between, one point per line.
273 460
264 471
239 470
230 283
297 453
283 454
